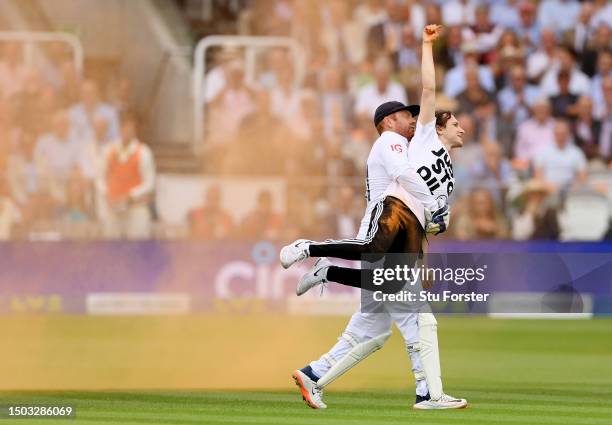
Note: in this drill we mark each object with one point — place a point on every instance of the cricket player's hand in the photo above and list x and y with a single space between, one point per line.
438 221
431 33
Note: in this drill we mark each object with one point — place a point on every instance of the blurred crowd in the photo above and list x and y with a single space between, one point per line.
72 164
530 82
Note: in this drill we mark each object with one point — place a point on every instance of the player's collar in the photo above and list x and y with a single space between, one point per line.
394 134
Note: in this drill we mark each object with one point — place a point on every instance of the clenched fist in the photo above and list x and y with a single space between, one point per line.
431 33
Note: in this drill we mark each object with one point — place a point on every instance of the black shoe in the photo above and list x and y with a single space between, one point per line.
420 398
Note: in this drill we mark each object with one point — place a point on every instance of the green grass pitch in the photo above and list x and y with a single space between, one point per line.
511 372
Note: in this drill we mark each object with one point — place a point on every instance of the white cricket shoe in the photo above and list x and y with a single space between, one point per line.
311 394
317 275
294 252
445 402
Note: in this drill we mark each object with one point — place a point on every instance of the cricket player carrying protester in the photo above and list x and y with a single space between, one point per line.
401 190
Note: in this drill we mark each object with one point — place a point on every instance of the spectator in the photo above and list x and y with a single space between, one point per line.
458 12
340 35
416 19
483 34
260 134
605 115
451 55
210 220
91 106
537 219
563 103
75 215
540 61
215 79
602 14
454 81
504 13
586 129
29 111
126 182
92 151
286 98
516 98
22 172
335 103
9 213
561 163
275 61
492 172
13 72
263 222
342 219
382 90
528 29
536 133
69 91
579 83
57 154
504 59
57 53
231 105
408 51
305 24
604 69
385 38
560 15
472 148
120 96
474 96
433 14
581 35
368 14
482 220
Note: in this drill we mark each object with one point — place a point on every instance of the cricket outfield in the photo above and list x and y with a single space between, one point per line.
236 369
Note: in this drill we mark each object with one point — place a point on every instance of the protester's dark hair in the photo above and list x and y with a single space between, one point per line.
442 117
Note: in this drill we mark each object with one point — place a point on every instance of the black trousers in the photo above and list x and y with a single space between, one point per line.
393 229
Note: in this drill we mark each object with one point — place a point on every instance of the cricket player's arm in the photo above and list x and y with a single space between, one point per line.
395 158
428 75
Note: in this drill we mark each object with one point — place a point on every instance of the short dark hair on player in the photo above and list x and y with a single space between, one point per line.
380 127
442 117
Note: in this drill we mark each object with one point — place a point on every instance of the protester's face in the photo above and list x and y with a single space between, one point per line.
453 133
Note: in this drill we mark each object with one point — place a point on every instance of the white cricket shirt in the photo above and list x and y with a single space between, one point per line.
429 177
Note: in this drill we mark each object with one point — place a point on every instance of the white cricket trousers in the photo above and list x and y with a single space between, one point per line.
364 326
